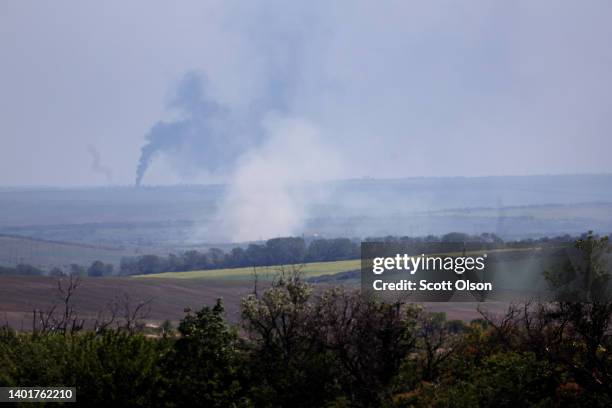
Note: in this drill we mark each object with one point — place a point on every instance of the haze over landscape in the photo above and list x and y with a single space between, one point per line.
306 204
265 98
135 131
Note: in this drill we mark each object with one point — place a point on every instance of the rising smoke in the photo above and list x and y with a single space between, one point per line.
210 133
403 90
264 198
206 133
260 146
96 164
262 152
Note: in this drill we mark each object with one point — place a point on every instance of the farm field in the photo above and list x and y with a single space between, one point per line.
263 272
171 292
20 295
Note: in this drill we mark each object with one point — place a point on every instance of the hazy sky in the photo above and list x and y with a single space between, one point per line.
353 89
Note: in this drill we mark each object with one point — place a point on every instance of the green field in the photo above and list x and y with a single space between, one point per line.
263 272
308 270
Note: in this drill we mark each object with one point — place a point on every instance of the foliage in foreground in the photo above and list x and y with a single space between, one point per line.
301 348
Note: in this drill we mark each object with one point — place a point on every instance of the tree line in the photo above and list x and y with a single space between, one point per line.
296 250
279 251
95 269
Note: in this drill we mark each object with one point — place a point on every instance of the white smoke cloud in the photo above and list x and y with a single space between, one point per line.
263 200
401 89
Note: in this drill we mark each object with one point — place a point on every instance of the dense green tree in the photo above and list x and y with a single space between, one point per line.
205 366
113 369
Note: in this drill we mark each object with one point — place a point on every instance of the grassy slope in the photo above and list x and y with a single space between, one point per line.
263 272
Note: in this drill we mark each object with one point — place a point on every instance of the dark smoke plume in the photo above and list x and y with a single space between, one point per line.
206 134
211 135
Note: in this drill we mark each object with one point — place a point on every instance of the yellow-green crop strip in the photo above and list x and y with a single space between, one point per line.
263 272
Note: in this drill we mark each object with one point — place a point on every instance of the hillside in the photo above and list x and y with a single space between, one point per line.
155 219
45 254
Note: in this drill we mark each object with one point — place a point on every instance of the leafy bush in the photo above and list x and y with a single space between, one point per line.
302 347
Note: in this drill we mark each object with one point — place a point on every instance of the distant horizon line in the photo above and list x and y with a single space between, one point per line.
145 186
